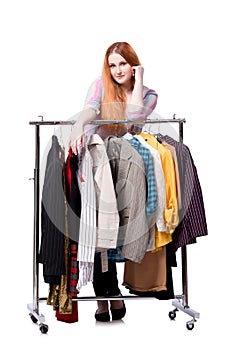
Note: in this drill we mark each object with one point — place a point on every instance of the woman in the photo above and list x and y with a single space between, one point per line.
118 94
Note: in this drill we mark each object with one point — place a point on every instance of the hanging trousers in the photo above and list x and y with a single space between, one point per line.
105 283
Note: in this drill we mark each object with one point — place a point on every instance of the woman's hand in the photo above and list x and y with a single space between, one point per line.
77 138
77 144
135 107
138 71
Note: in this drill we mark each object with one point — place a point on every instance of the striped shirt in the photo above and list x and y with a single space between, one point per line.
192 216
87 233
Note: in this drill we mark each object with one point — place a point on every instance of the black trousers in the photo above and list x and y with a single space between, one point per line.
105 283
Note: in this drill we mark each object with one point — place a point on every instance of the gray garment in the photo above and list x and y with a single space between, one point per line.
129 179
51 252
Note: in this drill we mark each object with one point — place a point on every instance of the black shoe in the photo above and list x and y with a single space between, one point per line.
117 314
102 317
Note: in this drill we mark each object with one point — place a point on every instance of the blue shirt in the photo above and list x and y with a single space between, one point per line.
151 203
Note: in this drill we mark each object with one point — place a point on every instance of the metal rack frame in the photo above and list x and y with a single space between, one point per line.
180 302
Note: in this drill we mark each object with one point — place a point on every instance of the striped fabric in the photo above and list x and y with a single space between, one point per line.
192 215
87 233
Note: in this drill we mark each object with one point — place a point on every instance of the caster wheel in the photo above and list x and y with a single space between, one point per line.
33 318
190 325
43 328
172 315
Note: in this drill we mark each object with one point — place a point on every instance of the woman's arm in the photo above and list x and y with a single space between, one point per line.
88 114
77 136
139 106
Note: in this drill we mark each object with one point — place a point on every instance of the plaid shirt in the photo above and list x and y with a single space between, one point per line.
151 203
115 254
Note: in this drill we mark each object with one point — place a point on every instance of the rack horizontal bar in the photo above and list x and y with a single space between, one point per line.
101 122
95 298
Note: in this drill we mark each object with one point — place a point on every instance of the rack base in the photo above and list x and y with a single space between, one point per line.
179 305
38 317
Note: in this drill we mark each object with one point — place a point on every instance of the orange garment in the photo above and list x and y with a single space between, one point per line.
177 175
148 276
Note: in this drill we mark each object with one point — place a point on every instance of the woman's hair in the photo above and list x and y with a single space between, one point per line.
113 104
112 90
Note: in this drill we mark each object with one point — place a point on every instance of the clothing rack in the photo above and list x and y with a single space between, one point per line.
180 302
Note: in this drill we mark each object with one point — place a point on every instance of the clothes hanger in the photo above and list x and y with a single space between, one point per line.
158 135
146 130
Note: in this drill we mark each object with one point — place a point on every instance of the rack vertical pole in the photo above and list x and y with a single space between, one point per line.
36 219
184 275
34 306
184 249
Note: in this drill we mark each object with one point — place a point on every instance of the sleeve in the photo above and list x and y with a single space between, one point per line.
171 211
150 102
94 96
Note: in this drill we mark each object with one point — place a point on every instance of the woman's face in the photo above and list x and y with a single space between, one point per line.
120 70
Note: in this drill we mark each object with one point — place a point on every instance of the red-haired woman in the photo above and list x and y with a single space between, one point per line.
119 94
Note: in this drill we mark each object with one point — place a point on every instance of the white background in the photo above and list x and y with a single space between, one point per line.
50 52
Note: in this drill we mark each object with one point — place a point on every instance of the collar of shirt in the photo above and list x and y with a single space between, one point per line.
95 139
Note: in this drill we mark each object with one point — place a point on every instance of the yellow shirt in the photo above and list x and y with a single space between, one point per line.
177 174
171 211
